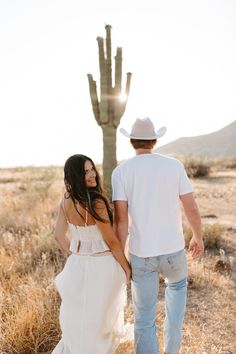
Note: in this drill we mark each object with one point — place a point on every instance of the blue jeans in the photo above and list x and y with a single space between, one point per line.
145 287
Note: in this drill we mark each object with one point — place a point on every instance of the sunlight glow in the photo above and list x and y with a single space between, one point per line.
123 97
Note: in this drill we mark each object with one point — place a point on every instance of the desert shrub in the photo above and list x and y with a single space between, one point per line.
230 163
223 162
196 167
212 235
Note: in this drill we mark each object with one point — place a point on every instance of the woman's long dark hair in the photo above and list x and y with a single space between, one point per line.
76 189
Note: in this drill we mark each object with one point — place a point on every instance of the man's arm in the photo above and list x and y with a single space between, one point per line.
121 221
193 216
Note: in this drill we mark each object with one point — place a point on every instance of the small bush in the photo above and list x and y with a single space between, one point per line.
230 163
196 167
212 235
224 163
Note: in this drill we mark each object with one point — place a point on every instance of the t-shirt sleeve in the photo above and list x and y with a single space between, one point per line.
184 182
118 190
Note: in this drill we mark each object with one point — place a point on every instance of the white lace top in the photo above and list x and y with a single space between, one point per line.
88 239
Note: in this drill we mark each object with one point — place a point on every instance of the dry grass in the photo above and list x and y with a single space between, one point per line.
197 167
212 236
223 162
29 260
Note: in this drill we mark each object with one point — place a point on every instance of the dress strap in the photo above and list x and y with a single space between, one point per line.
86 218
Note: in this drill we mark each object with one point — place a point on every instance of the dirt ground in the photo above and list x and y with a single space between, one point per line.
216 196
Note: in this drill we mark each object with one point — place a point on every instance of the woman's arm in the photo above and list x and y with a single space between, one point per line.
110 237
61 228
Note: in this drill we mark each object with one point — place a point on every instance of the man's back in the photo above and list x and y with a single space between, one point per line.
152 184
149 187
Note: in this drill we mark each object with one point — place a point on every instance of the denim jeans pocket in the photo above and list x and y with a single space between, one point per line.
175 265
138 265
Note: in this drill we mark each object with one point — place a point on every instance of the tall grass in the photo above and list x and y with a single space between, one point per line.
29 261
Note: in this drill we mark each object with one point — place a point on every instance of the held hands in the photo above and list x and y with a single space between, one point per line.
196 247
128 275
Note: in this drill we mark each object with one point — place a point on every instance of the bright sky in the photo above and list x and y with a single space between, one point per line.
182 54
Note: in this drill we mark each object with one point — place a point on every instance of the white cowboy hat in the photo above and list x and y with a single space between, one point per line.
143 129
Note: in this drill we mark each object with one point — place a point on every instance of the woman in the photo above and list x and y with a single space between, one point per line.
92 284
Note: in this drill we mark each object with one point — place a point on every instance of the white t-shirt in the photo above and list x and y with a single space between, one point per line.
152 184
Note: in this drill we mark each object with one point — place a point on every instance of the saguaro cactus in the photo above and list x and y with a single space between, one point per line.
110 107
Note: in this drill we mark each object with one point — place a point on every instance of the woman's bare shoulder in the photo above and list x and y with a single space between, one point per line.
99 204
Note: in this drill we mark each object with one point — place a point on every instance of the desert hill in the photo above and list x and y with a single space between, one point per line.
219 143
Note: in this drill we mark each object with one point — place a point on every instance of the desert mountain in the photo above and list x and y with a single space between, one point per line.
219 143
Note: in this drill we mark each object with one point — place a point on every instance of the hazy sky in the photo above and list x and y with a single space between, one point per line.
182 54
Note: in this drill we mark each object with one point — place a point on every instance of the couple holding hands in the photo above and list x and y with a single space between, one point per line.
147 192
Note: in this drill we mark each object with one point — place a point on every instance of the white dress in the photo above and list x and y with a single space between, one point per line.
93 296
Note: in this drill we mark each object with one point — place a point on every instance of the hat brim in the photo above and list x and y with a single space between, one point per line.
157 135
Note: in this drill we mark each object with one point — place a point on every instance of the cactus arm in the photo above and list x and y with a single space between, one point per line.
127 86
118 71
101 54
120 106
108 58
103 83
117 88
94 98
127 89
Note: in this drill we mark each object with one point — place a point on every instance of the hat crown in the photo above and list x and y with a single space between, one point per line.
143 128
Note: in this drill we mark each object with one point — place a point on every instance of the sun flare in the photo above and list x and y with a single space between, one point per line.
123 97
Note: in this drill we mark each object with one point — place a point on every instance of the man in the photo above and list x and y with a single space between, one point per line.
147 190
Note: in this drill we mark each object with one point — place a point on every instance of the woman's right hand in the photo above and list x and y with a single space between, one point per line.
128 275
